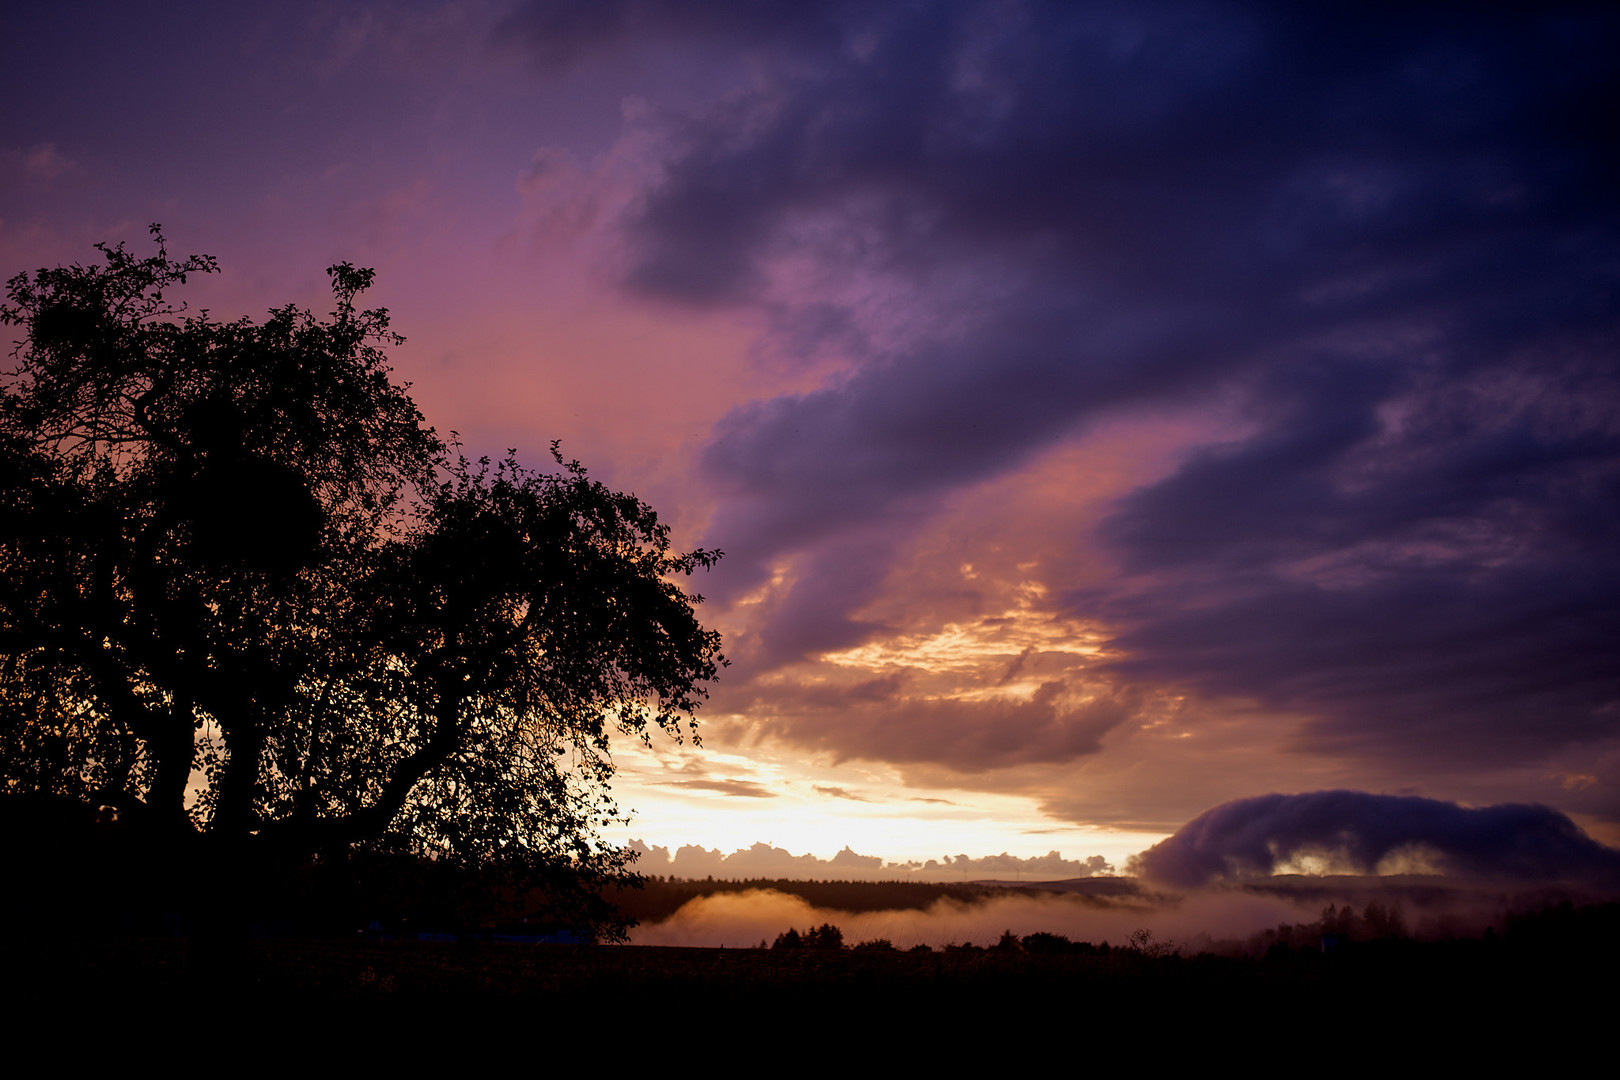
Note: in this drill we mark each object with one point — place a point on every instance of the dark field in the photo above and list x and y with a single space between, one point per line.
1544 988
84 953
1542 962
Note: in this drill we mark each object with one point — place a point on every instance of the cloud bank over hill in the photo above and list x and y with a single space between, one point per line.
1353 832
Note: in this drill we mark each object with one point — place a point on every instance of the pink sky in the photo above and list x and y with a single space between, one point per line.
1106 414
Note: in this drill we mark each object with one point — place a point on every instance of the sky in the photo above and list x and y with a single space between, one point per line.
1109 412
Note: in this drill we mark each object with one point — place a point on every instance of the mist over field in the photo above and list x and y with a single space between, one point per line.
1427 867
735 920
1423 906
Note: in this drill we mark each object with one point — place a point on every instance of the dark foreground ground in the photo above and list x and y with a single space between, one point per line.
1547 980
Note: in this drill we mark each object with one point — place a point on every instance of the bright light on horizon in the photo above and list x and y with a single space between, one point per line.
719 800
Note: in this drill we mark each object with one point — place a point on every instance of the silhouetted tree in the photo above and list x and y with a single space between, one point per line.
825 936
1383 922
251 603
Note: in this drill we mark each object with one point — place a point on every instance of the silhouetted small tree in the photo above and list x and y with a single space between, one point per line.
1141 941
1045 944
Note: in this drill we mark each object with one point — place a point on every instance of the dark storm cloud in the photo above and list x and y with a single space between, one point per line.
561 32
1452 587
800 469
881 720
1389 232
839 577
1256 837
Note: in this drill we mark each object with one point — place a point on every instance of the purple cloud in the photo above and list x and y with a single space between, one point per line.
1389 241
1356 831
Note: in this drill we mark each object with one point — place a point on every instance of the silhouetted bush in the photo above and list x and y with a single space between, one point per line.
1043 944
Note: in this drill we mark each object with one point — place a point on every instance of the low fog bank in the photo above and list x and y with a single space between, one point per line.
764 861
1226 918
741 919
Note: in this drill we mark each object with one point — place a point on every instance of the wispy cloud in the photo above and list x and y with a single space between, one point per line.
746 789
839 793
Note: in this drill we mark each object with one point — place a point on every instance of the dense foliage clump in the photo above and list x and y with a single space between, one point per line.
254 609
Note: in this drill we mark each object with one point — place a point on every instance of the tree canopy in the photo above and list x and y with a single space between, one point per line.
249 599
